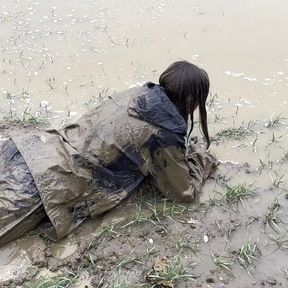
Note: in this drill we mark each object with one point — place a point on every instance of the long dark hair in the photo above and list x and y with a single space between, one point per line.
187 86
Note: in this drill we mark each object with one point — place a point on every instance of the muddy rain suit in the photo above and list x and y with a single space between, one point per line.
88 167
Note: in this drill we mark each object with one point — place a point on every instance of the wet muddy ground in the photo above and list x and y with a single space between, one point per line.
59 60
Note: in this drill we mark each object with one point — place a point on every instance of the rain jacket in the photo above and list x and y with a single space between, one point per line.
88 167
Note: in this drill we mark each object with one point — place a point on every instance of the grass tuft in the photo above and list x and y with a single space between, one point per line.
248 254
238 193
156 211
168 272
117 282
183 243
281 241
235 133
53 282
271 217
222 262
26 118
274 122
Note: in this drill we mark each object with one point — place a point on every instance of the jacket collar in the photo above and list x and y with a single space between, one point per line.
153 106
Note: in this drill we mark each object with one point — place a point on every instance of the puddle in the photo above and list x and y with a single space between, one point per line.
63 249
58 60
68 246
14 261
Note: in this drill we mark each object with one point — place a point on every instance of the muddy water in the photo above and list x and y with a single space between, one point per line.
63 249
16 258
59 60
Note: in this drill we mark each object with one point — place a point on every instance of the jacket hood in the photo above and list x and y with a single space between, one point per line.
153 106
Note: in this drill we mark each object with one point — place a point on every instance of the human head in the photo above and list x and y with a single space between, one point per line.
187 86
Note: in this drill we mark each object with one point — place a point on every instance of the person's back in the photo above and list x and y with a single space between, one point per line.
89 167
135 134
123 133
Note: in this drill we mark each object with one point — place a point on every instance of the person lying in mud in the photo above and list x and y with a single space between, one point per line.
86 168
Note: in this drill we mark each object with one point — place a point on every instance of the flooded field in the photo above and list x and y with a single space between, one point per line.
60 59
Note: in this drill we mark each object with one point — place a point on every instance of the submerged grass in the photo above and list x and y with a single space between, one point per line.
274 121
26 118
278 181
271 217
222 262
281 241
211 100
235 133
265 164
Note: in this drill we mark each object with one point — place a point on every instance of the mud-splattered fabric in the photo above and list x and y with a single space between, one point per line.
88 167
21 208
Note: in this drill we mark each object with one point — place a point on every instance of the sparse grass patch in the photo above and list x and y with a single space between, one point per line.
248 254
26 118
235 133
183 243
279 180
211 100
274 122
218 118
53 282
167 209
133 259
139 217
209 204
271 218
129 261
118 283
214 202
222 262
274 139
238 193
281 241
166 273
156 211
107 231
265 165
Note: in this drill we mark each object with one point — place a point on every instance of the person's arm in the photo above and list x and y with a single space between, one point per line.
180 177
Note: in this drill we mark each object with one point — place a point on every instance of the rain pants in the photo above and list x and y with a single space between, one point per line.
86 168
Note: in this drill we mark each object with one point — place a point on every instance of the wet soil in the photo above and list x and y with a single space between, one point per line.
59 61
120 248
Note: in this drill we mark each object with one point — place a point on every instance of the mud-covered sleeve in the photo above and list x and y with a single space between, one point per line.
181 177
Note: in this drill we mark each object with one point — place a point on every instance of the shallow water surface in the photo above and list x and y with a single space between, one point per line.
14 261
57 59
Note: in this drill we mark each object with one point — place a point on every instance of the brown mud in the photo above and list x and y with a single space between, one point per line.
203 240
57 62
